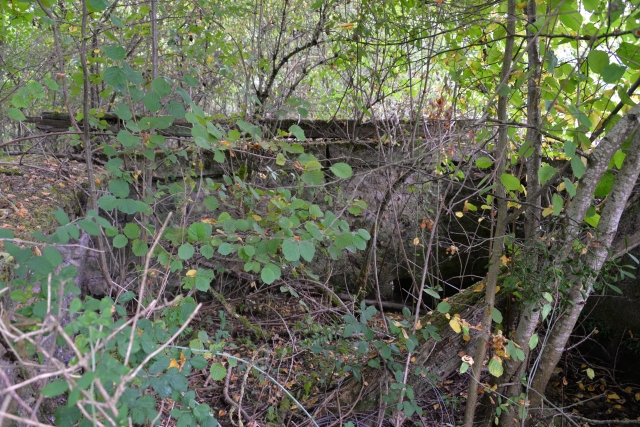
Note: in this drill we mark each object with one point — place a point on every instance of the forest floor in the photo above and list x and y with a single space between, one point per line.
300 364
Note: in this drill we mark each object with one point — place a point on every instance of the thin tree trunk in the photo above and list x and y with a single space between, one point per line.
501 224
530 315
607 227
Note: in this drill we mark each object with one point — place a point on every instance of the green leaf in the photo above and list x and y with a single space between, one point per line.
495 367
270 273
152 102
115 77
605 185
341 170
217 371
571 189
97 5
119 188
291 250
629 54
297 132
344 240
131 230
61 216
139 248
55 388
307 250
557 203
313 177
186 251
127 139
116 53
597 60
533 341
612 73
16 114
198 362
161 87
190 80
123 112
175 109
444 307
464 367
496 315
590 373
577 166
281 160
484 162
207 251
211 203
52 255
120 241
510 182
89 226
225 249
545 173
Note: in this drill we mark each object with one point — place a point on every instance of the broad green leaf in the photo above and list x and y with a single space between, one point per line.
605 185
211 203
131 230
186 251
115 77
533 341
161 87
152 101
313 177
225 249
629 54
297 132
281 160
464 367
16 114
97 5
89 226
52 254
577 166
123 112
557 203
545 173
175 109
612 73
484 162
342 170
571 188
291 250
190 80
120 241
127 139
61 216
119 188
590 373
217 371
207 251
444 307
307 250
139 247
116 53
496 315
597 60
344 240
510 182
495 367
270 273
593 221
55 388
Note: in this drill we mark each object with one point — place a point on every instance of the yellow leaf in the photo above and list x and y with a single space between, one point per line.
346 26
404 334
505 260
418 325
521 5
192 273
459 214
479 288
174 364
455 325
613 396
548 211
416 241
256 217
209 59
561 186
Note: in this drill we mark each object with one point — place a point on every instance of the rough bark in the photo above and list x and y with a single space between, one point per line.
607 227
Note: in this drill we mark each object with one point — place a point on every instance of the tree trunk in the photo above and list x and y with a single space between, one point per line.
607 227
